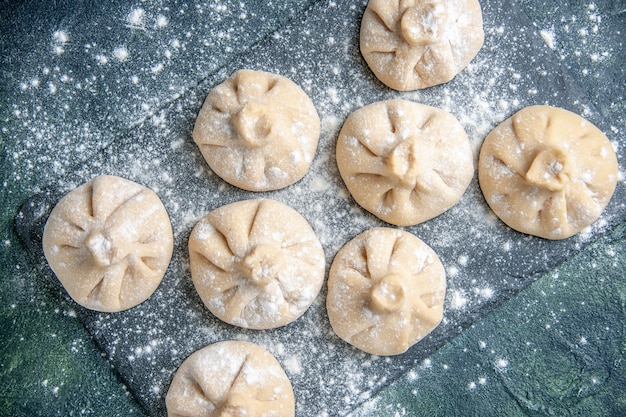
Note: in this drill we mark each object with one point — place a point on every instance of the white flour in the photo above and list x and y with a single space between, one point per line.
136 97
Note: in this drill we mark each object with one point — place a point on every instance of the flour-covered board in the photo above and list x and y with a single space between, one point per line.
485 261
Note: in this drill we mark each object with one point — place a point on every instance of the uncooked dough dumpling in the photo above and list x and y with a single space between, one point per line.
547 172
229 379
109 242
258 131
404 162
256 263
414 44
386 290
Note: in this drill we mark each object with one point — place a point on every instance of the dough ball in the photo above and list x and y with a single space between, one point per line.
385 291
256 263
109 242
230 378
547 172
404 162
416 44
258 131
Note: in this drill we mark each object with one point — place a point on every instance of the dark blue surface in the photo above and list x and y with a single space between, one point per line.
76 104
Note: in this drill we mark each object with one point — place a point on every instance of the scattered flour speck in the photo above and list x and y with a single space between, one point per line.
548 37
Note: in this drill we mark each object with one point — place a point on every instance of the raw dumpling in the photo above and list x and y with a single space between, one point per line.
109 242
385 291
230 378
414 44
256 263
547 172
404 162
258 131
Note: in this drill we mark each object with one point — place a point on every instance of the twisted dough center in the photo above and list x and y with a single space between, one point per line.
550 170
262 264
423 24
388 295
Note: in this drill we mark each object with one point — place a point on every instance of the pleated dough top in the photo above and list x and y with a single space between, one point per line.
547 172
258 131
386 290
109 242
404 162
230 378
415 44
256 263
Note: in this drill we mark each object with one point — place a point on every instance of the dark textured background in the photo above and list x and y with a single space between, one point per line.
555 348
